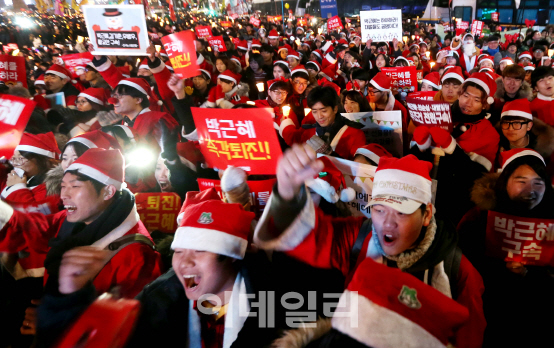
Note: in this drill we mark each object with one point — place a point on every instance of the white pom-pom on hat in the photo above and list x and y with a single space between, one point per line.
348 194
232 178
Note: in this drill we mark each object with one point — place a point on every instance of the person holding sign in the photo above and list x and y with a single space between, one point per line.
523 192
58 79
380 97
402 233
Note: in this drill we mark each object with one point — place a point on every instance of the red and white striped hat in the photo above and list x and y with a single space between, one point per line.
95 95
42 144
453 73
486 58
525 54
401 312
59 71
104 166
486 82
519 108
229 76
508 156
403 184
299 69
381 81
373 152
432 79
96 139
273 34
209 224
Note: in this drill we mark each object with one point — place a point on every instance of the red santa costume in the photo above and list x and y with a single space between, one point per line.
134 266
237 95
468 60
69 90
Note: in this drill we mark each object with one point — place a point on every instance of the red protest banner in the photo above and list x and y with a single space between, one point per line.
462 25
260 190
521 239
217 43
12 70
494 16
476 28
429 113
334 23
158 211
302 22
71 61
182 53
242 138
424 95
10 47
404 78
255 21
203 31
226 24
14 115
274 18
235 40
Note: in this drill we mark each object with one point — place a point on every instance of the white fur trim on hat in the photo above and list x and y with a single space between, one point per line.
518 113
431 83
204 239
206 72
401 183
37 150
376 85
83 141
134 85
525 55
355 314
225 77
452 75
57 73
95 174
299 70
91 98
521 154
480 83
368 154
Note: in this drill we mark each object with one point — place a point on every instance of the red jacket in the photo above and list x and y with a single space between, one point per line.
326 242
542 108
131 269
278 112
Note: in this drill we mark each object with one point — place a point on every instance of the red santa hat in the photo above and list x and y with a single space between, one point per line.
403 184
236 59
318 53
125 71
486 82
205 67
273 34
381 81
137 83
403 58
401 312
144 64
342 42
256 43
209 224
432 79
525 54
508 156
330 184
189 154
285 47
486 58
529 67
507 60
40 80
271 82
59 71
42 144
95 95
518 108
414 45
228 75
313 64
282 62
373 152
104 166
453 73
293 54
299 69
96 139
243 45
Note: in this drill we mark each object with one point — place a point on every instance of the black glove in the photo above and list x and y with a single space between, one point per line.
169 142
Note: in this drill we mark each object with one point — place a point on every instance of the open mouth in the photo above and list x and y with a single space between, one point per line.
70 209
388 239
191 281
164 185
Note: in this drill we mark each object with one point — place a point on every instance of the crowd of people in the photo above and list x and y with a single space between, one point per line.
416 273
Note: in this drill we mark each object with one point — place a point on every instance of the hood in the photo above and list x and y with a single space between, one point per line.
544 134
302 337
524 92
483 193
53 181
243 89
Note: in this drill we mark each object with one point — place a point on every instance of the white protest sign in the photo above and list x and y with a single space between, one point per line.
359 177
381 127
117 29
383 25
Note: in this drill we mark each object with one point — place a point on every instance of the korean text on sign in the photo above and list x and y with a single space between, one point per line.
430 113
242 138
334 23
158 211
526 240
217 43
403 79
182 53
384 25
203 31
12 70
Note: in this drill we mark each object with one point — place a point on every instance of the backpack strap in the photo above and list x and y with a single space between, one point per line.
355 252
451 268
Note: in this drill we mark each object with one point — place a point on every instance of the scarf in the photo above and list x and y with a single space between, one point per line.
77 234
459 118
328 133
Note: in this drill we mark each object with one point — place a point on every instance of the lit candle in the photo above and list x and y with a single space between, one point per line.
286 110
550 53
260 86
413 37
432 65
307 111
405 39
428 54
250 102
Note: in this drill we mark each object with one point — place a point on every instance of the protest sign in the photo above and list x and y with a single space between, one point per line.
71 61
117 29
12 70
14 115
423 95
384 25
403 78
10 47
430 113
255 21
328 8
226 24
274 18
242 138
359 177
217 43
381 127
158 210
419 74
495 16
260 190
521 239
334 23
462 25
182 53
203 31
476 28
302 22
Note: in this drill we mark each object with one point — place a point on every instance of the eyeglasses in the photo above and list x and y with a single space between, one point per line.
18 161
279 92
372 91
515 125
303 84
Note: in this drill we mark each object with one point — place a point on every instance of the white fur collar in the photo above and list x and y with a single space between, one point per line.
543 97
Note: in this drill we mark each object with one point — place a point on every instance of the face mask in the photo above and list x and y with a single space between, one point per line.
469 48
